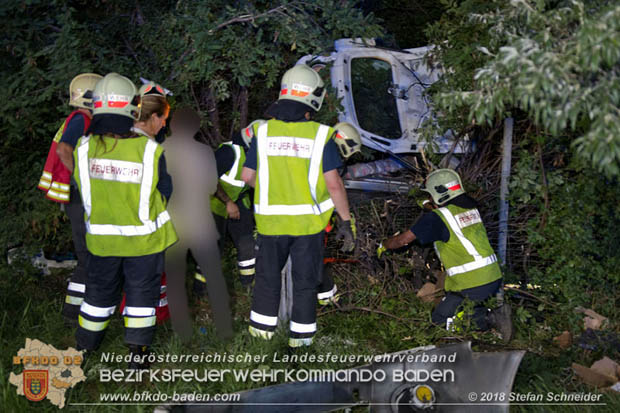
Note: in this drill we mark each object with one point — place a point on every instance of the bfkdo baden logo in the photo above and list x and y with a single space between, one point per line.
48 372
35 384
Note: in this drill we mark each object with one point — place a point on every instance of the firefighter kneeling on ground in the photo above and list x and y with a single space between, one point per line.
124 186
460 239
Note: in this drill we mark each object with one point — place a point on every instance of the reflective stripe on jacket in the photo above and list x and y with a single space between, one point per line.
55 178
468 257
124 212
230 181
291 196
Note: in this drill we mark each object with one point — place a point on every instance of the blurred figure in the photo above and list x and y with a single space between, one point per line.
59 186
195 176
124 186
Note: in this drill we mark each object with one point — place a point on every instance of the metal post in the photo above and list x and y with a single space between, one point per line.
286 295
503 202
503 194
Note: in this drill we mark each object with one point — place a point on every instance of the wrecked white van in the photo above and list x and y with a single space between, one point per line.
382 92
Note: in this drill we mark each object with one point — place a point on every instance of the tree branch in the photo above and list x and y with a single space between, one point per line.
214 114
248 17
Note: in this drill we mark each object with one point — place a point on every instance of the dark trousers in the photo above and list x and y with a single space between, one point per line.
77 285
241 231
326 289
307 260
449 305
141 283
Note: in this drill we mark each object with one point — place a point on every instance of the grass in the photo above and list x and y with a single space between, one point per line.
383 317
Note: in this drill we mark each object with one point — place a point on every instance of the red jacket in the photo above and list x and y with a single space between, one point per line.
56 177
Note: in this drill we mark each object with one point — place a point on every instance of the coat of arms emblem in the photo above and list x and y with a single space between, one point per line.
35 384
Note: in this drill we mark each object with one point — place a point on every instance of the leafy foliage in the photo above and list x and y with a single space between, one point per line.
559 65
578 245
553 66
222 58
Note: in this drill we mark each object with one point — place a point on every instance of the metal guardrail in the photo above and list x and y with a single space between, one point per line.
377 185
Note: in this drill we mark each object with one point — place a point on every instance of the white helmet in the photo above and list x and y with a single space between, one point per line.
443 185
303 84
115 94
151 89
81 90
348 139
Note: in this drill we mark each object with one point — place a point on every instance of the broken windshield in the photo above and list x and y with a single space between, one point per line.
375 108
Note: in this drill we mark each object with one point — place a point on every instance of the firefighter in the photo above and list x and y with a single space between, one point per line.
124 186
293 165
154 110
349 142
59 187
454 225
231 206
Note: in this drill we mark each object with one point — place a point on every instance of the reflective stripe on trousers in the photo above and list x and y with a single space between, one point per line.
247 267
94 318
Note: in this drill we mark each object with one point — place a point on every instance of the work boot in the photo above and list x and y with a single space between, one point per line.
331 300
139 357
299 342
500 318
85 354
258 333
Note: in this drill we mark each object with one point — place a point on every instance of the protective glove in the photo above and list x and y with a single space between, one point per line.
380 250
348 233
424 203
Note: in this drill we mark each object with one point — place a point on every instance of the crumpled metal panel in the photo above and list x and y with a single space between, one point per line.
411 76
472 373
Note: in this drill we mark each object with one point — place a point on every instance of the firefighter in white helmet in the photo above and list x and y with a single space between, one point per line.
154 112
126 233
349 143
293 165
58 186
348 139
453 224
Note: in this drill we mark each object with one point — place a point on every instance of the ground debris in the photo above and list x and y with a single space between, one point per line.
593 377
605 341
607 367
602 373
592 319
429 292
564 340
